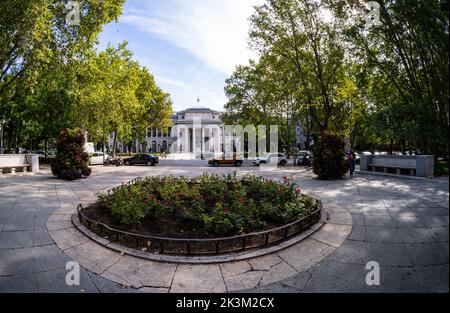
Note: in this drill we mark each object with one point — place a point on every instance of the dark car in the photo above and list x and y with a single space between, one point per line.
304 158
144 159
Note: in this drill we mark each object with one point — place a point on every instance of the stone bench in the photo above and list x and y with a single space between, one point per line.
12 168
398 168
417 165
10 163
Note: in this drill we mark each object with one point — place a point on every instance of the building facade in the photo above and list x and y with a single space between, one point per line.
194 129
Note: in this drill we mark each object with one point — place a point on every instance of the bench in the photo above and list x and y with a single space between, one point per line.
416 165
397 168
12 163
12 168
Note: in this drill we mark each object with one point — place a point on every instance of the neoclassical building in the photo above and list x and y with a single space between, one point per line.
194 129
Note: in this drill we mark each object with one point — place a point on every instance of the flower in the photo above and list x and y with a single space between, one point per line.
298 190
285 177
152 197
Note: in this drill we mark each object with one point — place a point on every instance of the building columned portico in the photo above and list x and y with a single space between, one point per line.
195 130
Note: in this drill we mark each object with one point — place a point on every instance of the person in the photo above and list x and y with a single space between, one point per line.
352 162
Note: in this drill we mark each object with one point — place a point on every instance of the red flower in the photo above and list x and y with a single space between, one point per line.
151 197
285 177
298 190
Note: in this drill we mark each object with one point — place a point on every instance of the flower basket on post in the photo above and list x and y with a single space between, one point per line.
71 161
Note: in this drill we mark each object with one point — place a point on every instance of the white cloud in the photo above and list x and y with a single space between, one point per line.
216 31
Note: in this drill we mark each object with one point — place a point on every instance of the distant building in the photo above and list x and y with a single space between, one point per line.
193 130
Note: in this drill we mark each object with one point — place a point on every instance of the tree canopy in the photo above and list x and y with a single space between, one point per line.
52 77
323 65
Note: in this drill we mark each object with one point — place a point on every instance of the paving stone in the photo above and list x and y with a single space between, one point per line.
243 281
273 288
342 218
17 261
264 263
395 280
403 211
140 272
93 256
375 211
17 224
440 234
429 254
337 277
16 239
432 278
382 234
415 235
60 217
298 281
153 290
68 238
378 220
305 254
234 268
278 273
58 225
41 238
332 234
429 211
350 252
358 233
18 284
197 278
407 221
49 257
114 278
54 281
358 220
433 220
388 254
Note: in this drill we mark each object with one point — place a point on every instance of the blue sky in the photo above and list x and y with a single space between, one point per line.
190 46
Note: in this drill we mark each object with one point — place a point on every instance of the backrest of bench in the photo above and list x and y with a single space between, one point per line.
12 160
394 160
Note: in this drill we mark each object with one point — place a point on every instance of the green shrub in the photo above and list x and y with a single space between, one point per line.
71 161
329 157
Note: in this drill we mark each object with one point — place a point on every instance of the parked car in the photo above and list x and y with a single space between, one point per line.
144 159
304 158
272 159
226 160
97 158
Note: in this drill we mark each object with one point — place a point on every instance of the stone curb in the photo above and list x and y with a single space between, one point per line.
199 259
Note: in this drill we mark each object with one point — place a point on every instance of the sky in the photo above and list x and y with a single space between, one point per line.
190 46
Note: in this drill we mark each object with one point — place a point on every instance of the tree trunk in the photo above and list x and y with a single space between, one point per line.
114 144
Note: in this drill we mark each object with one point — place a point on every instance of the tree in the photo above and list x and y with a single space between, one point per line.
118 96
39 52
408 52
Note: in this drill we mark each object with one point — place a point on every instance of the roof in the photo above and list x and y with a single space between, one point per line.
197 110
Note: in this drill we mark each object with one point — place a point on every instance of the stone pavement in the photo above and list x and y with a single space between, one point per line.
400 223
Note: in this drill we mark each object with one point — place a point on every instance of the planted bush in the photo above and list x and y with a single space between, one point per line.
71 161
220 205
329 157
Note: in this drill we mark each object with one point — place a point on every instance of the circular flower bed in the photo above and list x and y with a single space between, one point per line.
204 207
